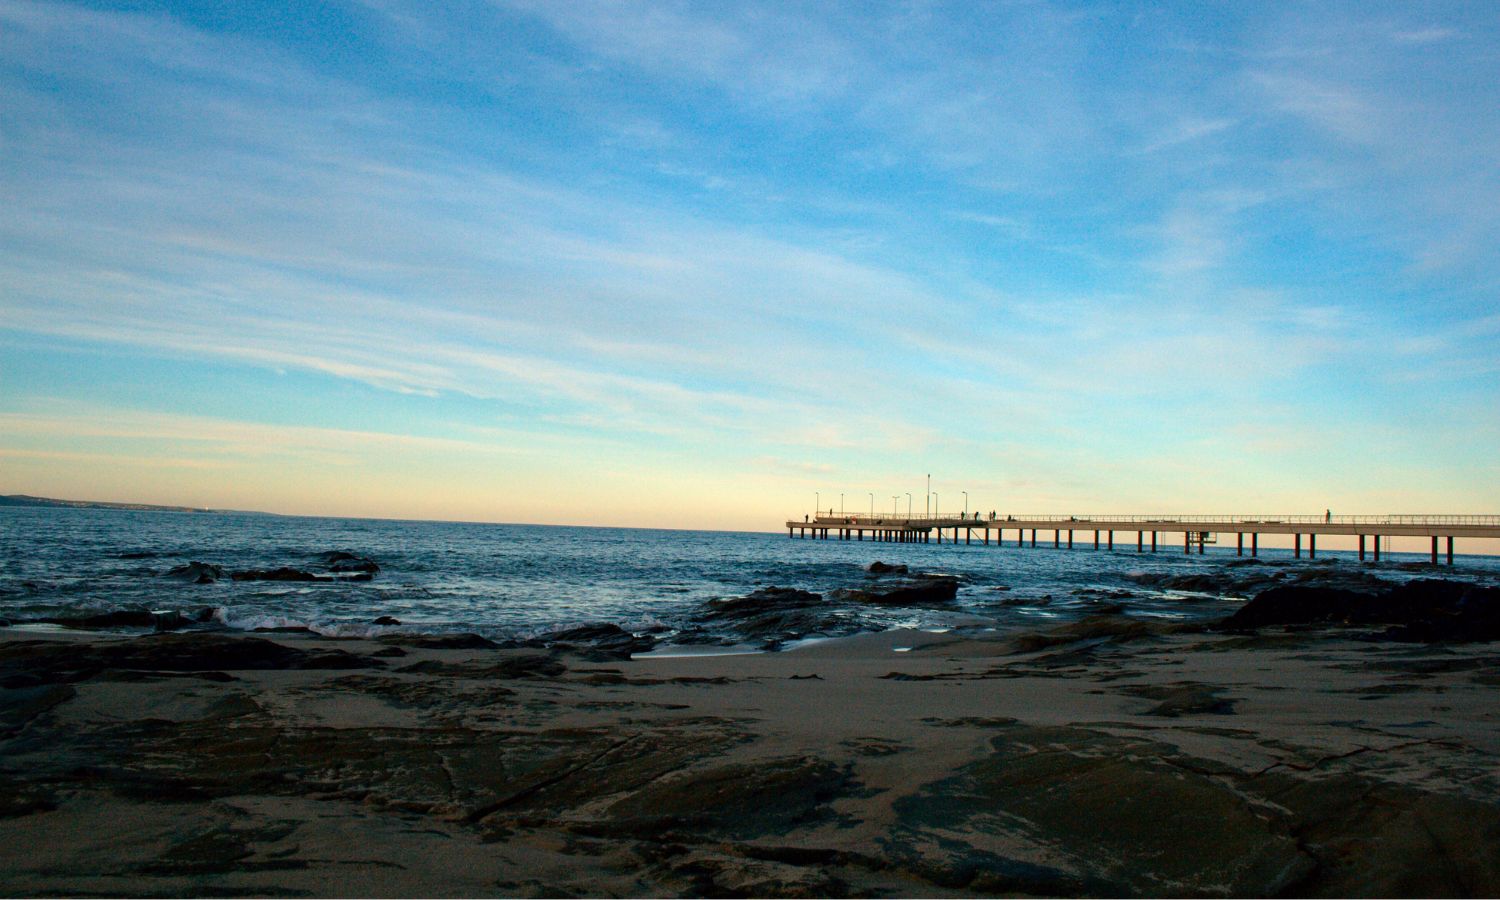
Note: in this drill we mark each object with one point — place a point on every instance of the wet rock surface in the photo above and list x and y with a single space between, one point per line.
194 572
1426 610
919 590
31 663
771 615
313 769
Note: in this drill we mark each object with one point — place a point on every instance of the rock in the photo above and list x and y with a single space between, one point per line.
387 620
27 663
1112 627
196 573
389 652
923 590
344 561
20 705
531 665
741 801
1426 610
1070 811
605 640
440 641
879 568
771 614
1185 698
281 574
166 620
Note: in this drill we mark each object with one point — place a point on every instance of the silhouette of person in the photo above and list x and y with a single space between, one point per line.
1327 515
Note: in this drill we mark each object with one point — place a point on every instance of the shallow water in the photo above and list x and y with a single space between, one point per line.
524 580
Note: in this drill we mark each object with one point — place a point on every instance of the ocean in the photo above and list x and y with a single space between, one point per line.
525 581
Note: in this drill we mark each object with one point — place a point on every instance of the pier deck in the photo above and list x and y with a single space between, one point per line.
1196 530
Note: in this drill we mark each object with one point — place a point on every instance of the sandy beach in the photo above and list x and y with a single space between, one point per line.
1101 759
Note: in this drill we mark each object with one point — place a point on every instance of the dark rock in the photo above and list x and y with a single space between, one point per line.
1109 627
772 796
440 641
389 652
923 590
27 663
1426 610
603 639
168 620
1065 811
1186 698
879 568
19 706
196 573
282 574
343 561
771 614
387 620
532 665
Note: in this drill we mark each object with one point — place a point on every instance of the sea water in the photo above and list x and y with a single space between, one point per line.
519 581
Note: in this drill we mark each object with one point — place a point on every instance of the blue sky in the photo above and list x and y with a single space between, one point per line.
690 263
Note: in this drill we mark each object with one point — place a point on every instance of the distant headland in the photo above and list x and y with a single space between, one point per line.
27 500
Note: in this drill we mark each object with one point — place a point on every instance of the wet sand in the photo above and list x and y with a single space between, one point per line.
1304 763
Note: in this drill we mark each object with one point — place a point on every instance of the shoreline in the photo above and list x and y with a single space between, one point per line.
1098 760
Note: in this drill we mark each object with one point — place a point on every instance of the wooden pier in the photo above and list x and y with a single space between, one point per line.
1195 531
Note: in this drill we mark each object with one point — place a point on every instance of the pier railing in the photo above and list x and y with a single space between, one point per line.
1265 519
1162 519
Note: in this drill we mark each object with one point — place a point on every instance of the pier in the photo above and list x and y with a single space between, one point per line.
1152 532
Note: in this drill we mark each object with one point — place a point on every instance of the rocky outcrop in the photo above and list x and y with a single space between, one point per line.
30 663
196 573
771 614
344 561
921 590
879 568
1429 610
603 640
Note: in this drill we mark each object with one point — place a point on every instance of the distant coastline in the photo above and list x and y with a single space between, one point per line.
28 500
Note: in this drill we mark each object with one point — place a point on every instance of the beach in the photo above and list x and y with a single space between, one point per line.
1102 757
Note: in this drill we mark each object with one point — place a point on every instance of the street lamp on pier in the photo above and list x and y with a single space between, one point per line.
966 503
935 506
908 505
872 506
817 504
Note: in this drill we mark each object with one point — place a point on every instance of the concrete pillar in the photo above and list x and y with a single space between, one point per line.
1187 541
1239 544
1312 546
968 535
1033 537
1299 546
1255 544
1434 549
1377 548
940 535
1140 541
1450 549
1096 539
1056 538
1111 539
1153 542
1361 548
1070 539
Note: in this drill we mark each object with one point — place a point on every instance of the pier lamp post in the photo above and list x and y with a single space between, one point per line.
817 504
966 503
908 506
872 506
895 510
841 504
935 505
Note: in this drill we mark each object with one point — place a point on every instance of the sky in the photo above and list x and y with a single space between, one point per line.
704 265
